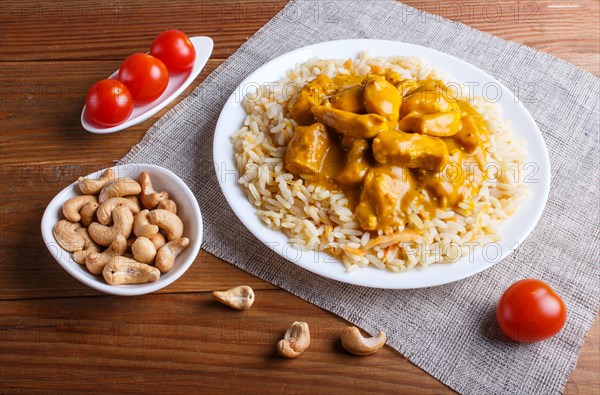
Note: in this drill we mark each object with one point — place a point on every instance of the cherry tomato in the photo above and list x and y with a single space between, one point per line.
530 311
109 103
145 76
175 49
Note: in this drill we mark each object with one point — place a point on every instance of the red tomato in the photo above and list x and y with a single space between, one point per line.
109 103
175 49
145 76
530 311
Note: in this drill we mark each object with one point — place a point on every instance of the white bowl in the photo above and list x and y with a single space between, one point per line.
162 179
514 230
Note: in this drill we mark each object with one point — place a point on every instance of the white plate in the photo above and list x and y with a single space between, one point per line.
513 231
162 180
177 84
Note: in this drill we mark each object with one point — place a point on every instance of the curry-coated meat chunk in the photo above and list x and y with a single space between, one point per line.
381 199
306 150
453 183
350 99
430 110
410 150
349 123
383 98
356 165
474 130
311 94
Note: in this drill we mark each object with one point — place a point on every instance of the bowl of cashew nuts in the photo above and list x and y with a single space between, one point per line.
127 230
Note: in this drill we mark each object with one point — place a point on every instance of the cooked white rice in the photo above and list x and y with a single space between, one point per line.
315 218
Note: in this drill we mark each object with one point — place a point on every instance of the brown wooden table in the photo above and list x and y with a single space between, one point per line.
58 335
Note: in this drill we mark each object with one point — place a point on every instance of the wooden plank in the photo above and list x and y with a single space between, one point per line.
45 31
161 343
51 53
92 30
585 378
567 29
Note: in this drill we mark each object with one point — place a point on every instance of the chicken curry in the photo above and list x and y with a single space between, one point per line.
389 144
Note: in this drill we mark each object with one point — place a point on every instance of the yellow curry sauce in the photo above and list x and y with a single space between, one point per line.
389 144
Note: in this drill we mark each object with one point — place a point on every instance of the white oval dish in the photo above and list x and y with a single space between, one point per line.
513 231
177 84
162 180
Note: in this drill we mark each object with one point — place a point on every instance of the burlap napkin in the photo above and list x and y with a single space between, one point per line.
450 331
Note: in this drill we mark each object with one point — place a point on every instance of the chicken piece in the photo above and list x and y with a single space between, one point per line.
430 110
382 98
427 101
345 81
394 78
314 92
357 164
452 184
306 150
470 136
440 124
350 124
474 131
404 86
350 99
409 122
410 150
381 199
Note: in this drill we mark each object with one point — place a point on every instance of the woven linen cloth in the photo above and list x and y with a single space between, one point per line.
450 331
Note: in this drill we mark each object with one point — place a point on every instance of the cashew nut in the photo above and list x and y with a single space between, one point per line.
96 261
357 344
72 206
165 257
134 199
65 233
88 247
295 341
168 205
142 226
143 250
123 270
110 209
88 213
239 298
150 198
89 186
122 225
158 239
119 187
105 210
168 222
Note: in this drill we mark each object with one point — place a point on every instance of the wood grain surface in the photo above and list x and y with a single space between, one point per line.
57 335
